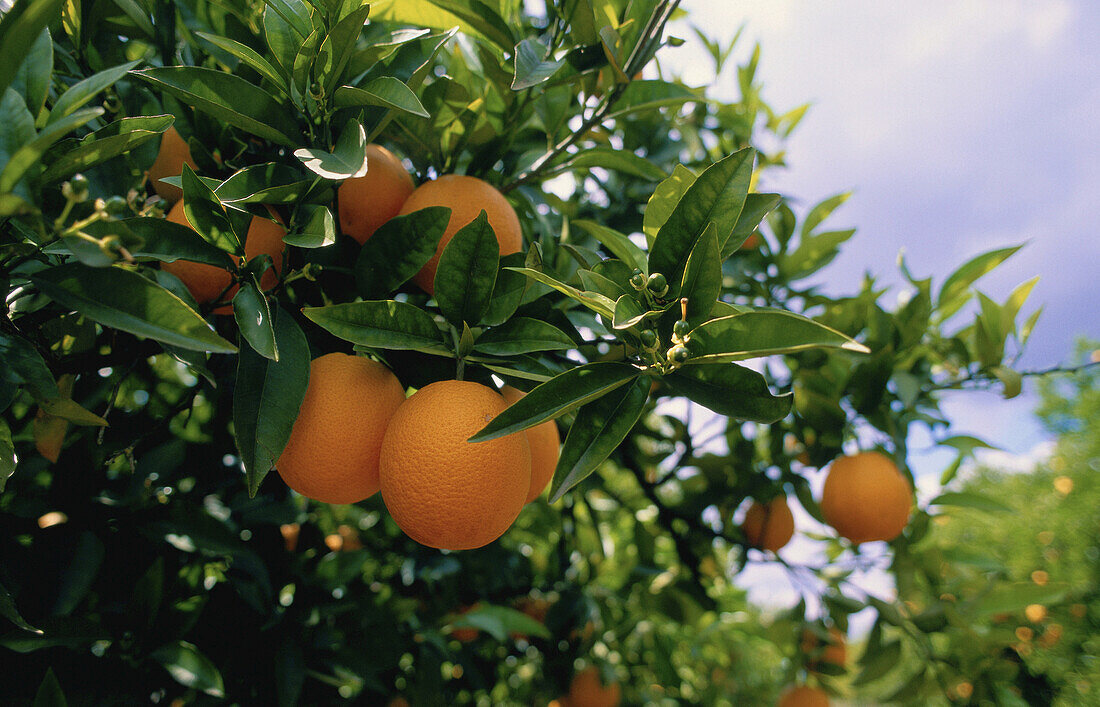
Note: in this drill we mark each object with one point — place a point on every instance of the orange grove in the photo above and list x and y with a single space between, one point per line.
467 197
545 444
332 455
172 156
866 497
769 526
367 202
443 491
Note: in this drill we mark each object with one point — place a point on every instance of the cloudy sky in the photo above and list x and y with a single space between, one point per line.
961 127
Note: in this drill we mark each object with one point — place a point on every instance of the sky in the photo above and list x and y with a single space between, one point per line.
961 127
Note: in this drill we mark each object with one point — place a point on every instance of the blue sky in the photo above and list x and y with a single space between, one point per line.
961 127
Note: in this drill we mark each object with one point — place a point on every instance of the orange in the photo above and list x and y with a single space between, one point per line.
206 282
803 696
835 651
466 197
466 634
752 242
332 454
588 690
443 491
369 201
769 526
545 445
173 155
866 497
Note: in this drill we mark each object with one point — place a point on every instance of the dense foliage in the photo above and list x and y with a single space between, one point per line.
155 558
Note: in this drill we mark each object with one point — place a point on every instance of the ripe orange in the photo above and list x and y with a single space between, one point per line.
206 282
588 690
803 696
769 526
443 491
369 201
545 445
467 197
173 155
866 497
332 454
835 651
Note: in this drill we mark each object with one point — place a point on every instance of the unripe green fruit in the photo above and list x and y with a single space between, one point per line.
116 205
681 329
649 339
657 284
679 354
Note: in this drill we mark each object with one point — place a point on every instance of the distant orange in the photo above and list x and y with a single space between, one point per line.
866 497
769 526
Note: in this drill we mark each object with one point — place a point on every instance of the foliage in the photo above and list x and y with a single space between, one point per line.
158 556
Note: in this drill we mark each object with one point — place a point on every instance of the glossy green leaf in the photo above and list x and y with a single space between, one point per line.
269 183
317 230
18 125
717 196
228 98
31 153
166 241
600 427
533 65
337 48
508 291
80 93
7 604
467 272
523 335
18 355
728 389
702 282
813 253
348 159
190 667
205 213
821 211
19 30
267 397
969 499
398 250
614 160
763 333
127 301
384 91
32 80
649 94
483 18
249 56
628 313
559 395
664 200
8 461
595 301
253 316
616 243
117 138
955 291
755 210
382 324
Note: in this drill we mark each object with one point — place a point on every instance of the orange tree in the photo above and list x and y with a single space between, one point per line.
146 550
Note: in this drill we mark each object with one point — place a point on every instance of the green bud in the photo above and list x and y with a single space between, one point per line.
638 281
76 189
681 329
657 284
678 354
649 339
116 205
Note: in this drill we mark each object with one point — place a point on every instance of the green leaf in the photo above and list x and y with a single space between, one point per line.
32 80
595 301
628 313
970 499
878 663
127 301
49 692
384 91
523 335
717 196
500 622
533 65
267 397
956 288
646 95
600 427
228 98
728 389
559 395
19 30
253 316
398 250
31 153
821 211
966 444
467 272
664 200
813 253
616 243
483 18
117 138
702 282
249 56
381 324
27 364
1006 597
165 240
7 604
615 160
295 13
269 183
318 231
190 668
755 210
763 333
348 159
81 92
8 461
337 48
205 213
18 125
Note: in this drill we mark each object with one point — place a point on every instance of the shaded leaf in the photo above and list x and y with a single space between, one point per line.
384 91
467 271
253 316
398 250
728 389
348 159
384 324
533 65
190 668
522 335
80 93
115 139
763 333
